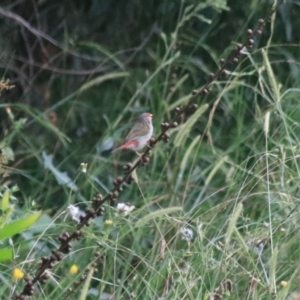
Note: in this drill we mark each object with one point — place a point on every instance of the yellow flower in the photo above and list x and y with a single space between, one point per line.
283 283
108 222
74 269
18 273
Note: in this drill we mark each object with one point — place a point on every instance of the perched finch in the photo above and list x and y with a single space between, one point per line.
139 134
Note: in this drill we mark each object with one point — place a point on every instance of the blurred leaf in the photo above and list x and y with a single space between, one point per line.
6 254
7 154
18 226
5 201
61 177
43 223
101 79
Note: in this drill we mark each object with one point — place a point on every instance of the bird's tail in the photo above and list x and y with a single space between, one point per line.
127 145
117 149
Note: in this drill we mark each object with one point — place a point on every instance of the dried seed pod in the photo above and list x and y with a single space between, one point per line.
261 22
127 167
120 179
98 197
222 62
57 254
216 296
174 124
89 211
258 32
99 213
224 72
77 234
239 47
146 159
204 91
27 279
66 234
152 142
235 60
250 42
194 93
211 76
227 284
44 260
130 179
76 283
164 125
193 106
166 137
250 32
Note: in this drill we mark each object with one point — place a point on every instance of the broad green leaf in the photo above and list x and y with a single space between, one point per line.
18 226
6 254
186 128
157 214
5 201
43 223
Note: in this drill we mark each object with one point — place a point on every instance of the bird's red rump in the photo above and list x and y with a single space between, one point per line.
130 143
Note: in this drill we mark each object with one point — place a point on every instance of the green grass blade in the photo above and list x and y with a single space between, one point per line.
232 222
100 79
271 77
157 214
185 129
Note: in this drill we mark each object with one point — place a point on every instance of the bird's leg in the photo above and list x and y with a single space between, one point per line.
139 154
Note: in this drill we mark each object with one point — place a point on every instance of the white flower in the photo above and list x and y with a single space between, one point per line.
123 209
83 167
75 212
187 233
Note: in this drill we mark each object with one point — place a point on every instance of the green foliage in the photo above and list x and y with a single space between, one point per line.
216 208
10 228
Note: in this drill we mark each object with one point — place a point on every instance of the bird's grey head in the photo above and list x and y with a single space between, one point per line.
146 116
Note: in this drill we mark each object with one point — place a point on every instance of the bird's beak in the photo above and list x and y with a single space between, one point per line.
149 115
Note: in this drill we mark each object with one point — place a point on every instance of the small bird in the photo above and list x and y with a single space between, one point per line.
139 134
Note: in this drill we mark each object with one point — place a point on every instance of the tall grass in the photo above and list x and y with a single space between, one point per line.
214 213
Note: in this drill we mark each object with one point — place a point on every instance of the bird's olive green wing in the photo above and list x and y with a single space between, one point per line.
139 129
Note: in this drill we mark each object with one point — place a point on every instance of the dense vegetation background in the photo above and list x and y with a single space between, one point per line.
82 71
